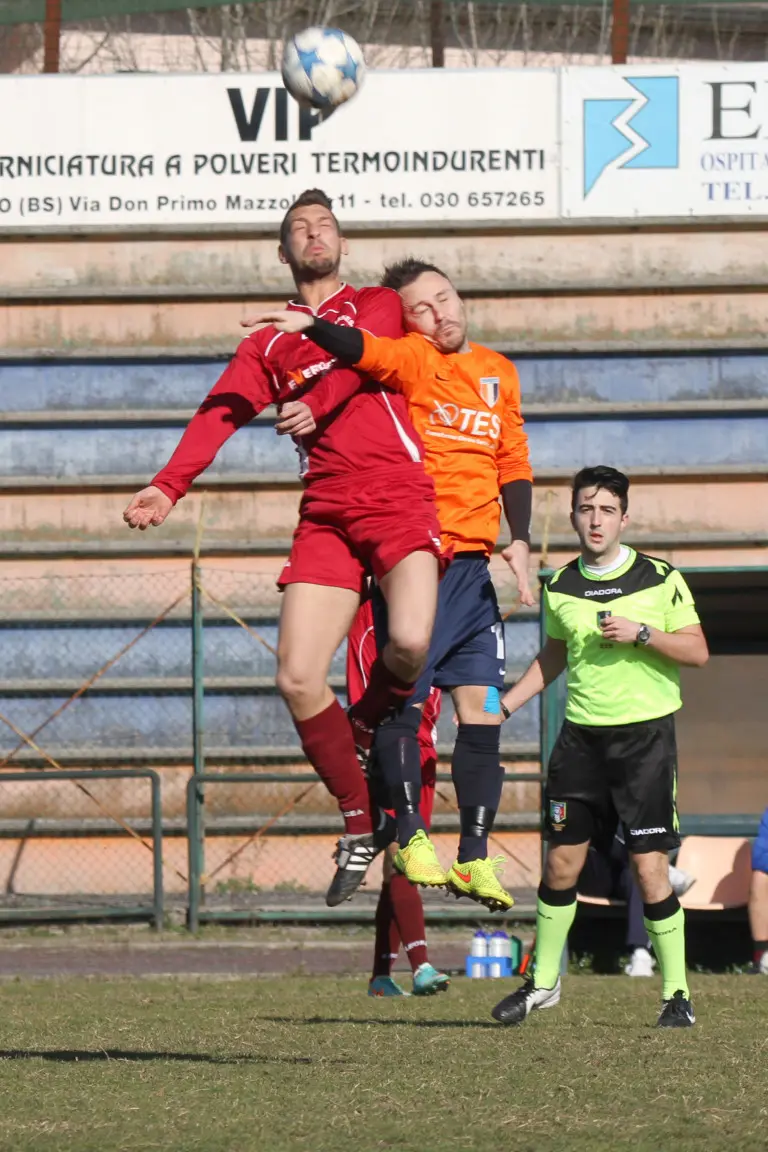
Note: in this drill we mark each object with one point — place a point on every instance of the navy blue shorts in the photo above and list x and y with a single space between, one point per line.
760 846
468 637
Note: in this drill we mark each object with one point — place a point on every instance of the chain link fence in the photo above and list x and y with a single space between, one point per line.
123 686
262 828
97 675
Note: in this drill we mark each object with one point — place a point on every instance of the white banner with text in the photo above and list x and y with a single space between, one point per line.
412 146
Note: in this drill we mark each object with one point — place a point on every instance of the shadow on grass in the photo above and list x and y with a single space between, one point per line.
387 1023
77 1056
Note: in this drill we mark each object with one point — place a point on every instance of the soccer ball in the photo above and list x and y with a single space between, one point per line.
322 67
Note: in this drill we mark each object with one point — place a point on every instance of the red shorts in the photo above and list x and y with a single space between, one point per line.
361 653
348 529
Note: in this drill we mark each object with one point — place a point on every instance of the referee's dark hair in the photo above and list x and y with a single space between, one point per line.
601 476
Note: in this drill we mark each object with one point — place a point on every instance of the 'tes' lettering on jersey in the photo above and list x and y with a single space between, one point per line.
611 683
371 432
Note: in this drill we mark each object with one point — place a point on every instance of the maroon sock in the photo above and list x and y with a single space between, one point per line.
384 692
409 915
387 942
328 745
759 948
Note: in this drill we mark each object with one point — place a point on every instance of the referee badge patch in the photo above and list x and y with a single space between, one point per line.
557 814
489 390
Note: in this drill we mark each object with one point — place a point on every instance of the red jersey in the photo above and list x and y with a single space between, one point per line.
371 431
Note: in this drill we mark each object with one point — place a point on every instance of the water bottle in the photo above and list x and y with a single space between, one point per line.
479 945
478 950
499 944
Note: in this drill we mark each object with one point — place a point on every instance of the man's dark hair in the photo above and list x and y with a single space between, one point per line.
310 196
601 476
404 272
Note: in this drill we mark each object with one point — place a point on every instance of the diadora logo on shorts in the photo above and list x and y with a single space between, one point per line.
467 420
603 592
639 129
646 831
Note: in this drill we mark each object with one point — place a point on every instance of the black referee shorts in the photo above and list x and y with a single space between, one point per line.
599 776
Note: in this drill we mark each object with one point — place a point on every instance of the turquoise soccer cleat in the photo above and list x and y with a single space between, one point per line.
427 981
386 986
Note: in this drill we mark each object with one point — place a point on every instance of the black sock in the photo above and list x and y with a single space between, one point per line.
477 778
399 760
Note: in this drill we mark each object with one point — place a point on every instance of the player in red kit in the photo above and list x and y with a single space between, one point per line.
399 913
368 507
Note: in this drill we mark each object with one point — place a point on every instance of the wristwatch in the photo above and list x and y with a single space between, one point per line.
643 634
504 710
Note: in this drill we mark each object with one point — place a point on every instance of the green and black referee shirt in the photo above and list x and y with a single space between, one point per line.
610 683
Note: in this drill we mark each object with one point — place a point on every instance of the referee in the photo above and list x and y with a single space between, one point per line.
622 623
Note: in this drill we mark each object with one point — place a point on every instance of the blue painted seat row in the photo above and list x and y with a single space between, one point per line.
146 723
712 438
68 652
166 384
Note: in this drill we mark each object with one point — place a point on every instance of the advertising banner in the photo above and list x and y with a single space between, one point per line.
412 146
664 142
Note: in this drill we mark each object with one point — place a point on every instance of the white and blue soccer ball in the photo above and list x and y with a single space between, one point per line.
322 67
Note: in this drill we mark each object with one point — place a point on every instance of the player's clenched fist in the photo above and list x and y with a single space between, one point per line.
150 506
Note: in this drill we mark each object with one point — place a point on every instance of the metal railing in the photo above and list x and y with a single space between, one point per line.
40 897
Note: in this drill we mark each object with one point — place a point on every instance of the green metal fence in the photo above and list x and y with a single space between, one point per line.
37 887
250 877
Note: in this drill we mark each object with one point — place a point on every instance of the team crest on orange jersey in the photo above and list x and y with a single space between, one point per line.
489 390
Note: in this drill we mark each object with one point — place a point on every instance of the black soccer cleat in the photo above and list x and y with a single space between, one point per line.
354 856
676 1013
514 1009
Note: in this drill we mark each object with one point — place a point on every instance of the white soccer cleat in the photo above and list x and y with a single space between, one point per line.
516 1007
641 963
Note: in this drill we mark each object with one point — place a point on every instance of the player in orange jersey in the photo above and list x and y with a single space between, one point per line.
464 401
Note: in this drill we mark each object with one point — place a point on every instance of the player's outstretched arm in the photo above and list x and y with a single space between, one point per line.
240 393
148 507
550 662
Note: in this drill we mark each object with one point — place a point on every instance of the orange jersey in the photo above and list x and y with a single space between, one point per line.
466 409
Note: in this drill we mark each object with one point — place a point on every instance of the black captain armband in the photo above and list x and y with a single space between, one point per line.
344 343
517 498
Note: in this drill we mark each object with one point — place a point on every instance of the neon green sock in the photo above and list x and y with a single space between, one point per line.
668 940
553 923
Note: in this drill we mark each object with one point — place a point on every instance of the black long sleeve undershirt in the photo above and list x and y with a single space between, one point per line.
517 498
345 343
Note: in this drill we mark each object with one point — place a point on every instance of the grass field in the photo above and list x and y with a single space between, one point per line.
312 1064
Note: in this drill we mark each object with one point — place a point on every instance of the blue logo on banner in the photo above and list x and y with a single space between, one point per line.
645 129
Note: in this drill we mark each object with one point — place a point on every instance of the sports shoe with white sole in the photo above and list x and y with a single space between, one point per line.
640 963
514 1009
676 1012
354 856
427 981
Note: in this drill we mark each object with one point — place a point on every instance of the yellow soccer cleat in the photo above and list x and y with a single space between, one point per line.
418 862
479 880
